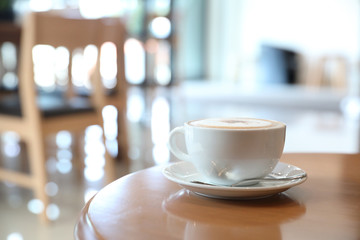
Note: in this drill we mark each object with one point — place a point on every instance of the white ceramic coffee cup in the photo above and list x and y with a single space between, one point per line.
228 150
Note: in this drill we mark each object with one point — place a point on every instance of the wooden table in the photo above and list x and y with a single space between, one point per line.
145 205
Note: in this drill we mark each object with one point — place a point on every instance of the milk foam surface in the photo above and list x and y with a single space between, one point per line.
235 123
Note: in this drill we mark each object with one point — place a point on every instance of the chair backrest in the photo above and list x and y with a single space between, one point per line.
113 31
67 29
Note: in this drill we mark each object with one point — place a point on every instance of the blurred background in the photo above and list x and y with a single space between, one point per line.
294 61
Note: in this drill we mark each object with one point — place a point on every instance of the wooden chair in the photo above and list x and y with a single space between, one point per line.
33 113
329 71
113 31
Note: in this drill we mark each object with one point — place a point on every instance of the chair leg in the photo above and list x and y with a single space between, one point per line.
37 158
110 167
122 136
77 150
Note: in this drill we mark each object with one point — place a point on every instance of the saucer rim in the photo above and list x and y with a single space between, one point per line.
228 191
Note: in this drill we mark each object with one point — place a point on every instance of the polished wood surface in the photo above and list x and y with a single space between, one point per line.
145 205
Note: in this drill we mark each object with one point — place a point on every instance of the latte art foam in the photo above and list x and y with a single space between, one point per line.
235 123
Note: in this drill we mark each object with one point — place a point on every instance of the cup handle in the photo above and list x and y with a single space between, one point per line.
174 147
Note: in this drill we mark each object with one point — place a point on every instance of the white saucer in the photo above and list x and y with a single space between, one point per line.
185 172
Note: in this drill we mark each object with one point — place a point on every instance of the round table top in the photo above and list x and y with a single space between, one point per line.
146 205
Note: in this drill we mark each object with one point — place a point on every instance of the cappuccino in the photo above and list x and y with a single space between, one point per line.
228 150
236 123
